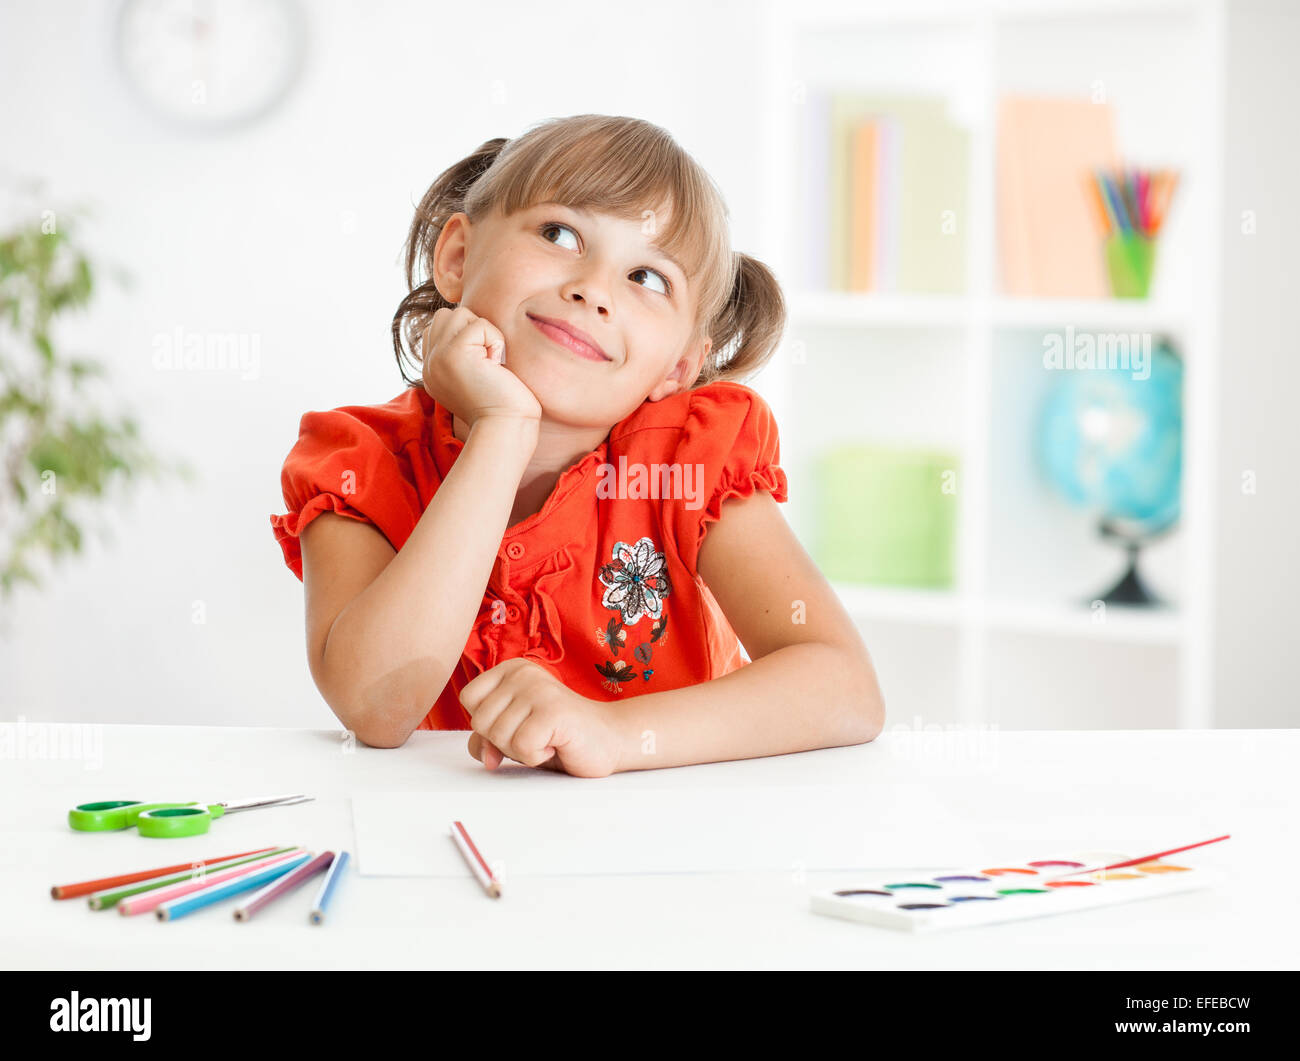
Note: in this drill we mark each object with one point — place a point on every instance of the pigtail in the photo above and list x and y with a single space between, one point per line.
749 326
446 196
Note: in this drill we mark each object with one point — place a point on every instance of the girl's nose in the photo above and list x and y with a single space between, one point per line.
588 289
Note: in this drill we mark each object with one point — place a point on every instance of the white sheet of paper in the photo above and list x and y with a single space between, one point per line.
582 831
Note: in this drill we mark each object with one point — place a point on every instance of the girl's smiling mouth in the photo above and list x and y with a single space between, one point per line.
564 335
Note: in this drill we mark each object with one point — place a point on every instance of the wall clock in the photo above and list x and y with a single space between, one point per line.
211 64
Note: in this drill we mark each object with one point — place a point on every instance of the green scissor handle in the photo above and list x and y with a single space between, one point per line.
175 819
185 820
166 819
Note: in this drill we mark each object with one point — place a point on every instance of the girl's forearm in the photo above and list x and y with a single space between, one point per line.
796 698
399 640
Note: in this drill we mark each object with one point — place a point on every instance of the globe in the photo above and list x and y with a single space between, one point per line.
1111 439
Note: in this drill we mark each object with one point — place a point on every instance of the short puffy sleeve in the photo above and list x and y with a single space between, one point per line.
343 464
730 437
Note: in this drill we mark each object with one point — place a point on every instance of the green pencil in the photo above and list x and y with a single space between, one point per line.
110 897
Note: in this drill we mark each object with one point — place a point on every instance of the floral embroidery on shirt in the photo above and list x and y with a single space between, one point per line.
615 674
636 585
613 635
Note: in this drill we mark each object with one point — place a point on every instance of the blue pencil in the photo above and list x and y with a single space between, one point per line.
1109 222
327 887
284 885
1116 203
197 900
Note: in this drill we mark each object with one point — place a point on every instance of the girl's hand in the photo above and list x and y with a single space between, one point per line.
519 710
464 369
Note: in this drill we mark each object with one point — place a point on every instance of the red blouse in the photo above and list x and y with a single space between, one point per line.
601 585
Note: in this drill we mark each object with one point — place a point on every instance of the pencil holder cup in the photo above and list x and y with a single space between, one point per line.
1130 259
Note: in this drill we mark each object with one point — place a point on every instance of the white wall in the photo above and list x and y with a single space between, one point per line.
290 232
1257 587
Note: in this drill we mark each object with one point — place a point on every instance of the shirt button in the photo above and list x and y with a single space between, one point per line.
514 550
512 613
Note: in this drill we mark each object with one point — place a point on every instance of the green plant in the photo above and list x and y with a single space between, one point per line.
57 450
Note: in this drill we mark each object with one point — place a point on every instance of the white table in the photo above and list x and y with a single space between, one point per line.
1246 778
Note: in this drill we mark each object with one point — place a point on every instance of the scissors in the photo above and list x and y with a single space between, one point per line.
164 819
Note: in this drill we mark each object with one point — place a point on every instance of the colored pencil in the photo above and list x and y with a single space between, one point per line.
1116 205
1154 191
142 904
1167 186
283 885
476 861
1093 194
110 897
187 904
332 877
85 887
1128 189
1144 858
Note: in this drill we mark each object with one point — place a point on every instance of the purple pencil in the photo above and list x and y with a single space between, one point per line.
287 883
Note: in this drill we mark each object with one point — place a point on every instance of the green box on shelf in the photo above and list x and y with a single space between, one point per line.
886 516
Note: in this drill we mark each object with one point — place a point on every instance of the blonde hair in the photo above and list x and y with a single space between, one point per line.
619 166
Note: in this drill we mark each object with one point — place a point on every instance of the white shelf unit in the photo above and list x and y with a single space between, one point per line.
1015 644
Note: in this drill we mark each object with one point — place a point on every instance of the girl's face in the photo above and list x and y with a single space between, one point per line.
594 272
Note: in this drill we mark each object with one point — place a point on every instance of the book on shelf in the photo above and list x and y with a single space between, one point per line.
1048 241
863 192
885 191
813 219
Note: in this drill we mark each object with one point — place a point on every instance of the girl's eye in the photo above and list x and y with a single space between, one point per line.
554 224
662 279
667 287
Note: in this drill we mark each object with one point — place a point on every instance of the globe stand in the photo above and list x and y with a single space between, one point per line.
1130 589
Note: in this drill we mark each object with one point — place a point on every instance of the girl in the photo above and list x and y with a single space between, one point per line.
519 538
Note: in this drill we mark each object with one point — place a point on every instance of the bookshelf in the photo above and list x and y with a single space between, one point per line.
1015 643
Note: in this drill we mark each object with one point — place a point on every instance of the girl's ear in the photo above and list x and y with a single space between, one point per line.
449 257
684 372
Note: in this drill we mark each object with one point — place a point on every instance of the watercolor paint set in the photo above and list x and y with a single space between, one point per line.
1011 891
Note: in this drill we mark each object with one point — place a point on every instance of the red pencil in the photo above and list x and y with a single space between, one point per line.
1144 858
71 891
1168 181
476 861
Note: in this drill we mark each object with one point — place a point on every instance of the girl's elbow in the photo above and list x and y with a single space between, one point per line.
871 720
383 740
373 729
875 727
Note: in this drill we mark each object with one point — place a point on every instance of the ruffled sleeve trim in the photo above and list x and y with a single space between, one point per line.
355 462
771 478
730 433
289 527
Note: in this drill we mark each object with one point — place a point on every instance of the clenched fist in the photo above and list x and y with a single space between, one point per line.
464 369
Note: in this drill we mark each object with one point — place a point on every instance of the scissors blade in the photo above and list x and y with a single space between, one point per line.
270 801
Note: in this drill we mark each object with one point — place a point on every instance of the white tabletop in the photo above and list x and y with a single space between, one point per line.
1184 781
